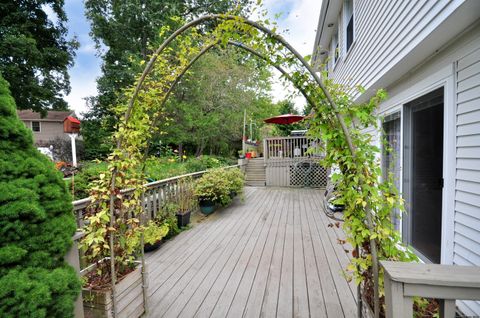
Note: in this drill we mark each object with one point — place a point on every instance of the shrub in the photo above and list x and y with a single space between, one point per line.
167 216
89 172
36 225
214 185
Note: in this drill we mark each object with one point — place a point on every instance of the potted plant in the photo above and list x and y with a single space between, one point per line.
241 154
236 181
185 199
153 233
206 193
212 188
120 237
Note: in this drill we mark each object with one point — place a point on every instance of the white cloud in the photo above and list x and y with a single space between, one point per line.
301 22
300 17
83 85
88 48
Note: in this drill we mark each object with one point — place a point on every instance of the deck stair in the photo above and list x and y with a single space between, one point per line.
255 173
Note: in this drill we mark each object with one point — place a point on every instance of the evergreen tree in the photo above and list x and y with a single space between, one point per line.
36 225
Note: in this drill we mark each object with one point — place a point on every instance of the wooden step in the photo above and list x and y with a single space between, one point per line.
255 183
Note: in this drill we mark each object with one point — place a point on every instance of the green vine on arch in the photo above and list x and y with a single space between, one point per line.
368 199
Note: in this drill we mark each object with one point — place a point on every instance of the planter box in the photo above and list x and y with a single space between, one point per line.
129 298
152 247
183 219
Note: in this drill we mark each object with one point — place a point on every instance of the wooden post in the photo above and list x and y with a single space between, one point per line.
73 259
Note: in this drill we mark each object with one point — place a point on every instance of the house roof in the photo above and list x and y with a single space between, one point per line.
327 24
72 119
51 115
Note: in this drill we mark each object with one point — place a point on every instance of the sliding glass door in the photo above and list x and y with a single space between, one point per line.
423 174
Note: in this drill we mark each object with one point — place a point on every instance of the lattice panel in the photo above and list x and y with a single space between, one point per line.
308 174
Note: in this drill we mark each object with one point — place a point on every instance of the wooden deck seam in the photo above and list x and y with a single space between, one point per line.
322 253
302 235
168 247
249 256
339 249
266 233
316 279
235 239
339 282
286 278
210 256
262 203
277 252
245 311
196 253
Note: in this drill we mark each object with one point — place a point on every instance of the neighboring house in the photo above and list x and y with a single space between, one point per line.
47 128
426 54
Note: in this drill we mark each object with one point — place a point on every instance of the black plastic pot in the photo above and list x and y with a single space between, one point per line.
152 247
183 219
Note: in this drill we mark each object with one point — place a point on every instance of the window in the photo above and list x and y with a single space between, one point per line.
391 157
348 25
334 49
36 126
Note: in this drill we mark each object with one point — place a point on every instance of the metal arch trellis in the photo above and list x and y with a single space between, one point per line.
308 67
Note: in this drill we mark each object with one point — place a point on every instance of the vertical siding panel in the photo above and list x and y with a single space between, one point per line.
466 247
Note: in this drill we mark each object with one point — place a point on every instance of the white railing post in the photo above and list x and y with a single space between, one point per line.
73 259
403 281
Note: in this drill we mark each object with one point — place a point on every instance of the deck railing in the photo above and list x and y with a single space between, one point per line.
403 281
294 161
290 147
155 195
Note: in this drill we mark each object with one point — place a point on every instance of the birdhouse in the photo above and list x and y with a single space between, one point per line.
71 125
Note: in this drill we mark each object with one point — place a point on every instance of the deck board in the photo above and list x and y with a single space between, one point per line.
270 256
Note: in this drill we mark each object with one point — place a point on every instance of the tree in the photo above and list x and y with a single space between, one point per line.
288 107
36 225
207 108
125 33
35 54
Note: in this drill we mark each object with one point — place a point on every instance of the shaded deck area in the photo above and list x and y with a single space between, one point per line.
275 254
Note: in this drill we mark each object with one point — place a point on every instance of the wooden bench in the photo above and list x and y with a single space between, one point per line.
403 281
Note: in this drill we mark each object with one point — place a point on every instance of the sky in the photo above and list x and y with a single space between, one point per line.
299 17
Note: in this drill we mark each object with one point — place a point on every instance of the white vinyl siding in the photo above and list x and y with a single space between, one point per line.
385 32
467 188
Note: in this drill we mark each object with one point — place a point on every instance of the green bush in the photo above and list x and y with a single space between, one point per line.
218 185
89 172
36 225
236 180
155 169
206 162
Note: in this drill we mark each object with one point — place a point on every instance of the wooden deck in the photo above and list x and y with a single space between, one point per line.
274 255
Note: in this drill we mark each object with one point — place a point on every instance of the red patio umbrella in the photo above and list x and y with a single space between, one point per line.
285 119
